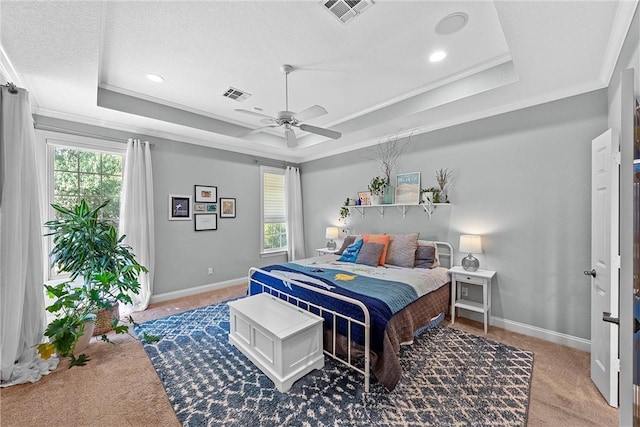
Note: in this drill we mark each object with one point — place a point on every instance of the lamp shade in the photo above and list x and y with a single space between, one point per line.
470 244
331 233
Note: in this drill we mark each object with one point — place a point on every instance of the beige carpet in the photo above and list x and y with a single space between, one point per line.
119 387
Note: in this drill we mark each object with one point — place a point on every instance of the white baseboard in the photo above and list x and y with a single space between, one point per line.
510 325
533 331
197 290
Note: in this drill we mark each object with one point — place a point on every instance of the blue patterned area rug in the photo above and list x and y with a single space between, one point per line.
450 378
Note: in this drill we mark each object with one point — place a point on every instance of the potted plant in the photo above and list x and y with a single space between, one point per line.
434 194
87 247
377 186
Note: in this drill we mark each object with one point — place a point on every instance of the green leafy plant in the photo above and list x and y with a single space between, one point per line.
88 247
377 185
436 193
344 210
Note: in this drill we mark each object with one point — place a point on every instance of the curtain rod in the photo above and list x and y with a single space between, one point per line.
80 133
275 163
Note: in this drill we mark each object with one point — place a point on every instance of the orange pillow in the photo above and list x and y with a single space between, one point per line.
378 238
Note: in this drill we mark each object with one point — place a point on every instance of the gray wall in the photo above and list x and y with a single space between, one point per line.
182 254
521 180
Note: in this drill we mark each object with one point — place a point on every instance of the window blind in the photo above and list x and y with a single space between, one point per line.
274 209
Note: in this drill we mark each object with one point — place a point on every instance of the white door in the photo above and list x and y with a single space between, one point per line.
604 264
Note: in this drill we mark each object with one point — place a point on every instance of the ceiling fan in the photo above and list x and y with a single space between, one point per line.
289 119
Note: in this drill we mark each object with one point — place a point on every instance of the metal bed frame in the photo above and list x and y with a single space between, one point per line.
320 310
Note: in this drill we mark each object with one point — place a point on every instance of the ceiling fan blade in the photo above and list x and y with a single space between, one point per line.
290 136
253 113
310 113
254 131
321 131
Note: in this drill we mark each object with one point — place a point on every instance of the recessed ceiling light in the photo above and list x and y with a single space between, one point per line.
155 78
452 23
437 56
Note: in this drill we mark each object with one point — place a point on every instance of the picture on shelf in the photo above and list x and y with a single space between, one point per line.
365 197
408 188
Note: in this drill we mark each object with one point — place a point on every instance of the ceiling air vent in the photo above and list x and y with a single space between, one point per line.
236 94
346 10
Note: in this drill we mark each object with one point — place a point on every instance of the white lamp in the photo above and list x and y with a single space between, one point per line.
331 233
471 245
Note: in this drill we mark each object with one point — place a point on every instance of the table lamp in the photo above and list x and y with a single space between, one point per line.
471 245
331 233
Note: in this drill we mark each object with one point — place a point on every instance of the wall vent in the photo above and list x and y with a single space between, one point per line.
346 10
237 94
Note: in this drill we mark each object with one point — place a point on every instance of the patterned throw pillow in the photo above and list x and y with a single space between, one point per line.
370 254
402 250
378 238
351 253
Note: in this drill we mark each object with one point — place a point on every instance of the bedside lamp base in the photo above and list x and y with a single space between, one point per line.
331 245
470 263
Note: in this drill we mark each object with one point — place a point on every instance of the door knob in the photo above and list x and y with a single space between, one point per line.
590 273
606 316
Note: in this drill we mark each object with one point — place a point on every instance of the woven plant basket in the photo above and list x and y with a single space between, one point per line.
104 319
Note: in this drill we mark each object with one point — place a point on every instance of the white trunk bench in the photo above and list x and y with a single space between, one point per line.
284 341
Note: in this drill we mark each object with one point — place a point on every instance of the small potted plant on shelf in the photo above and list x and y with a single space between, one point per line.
432 194
87 247
377 187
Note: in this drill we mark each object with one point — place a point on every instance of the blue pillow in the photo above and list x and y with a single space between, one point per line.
351 253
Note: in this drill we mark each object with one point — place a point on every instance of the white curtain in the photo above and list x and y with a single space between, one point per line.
21 229
293 202
136 217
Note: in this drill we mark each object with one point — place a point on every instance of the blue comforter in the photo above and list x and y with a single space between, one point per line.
383 298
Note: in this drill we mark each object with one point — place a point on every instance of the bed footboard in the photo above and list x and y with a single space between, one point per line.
333 316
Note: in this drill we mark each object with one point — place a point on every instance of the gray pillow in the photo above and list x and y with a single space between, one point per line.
347 241
427 255
370 254
402 250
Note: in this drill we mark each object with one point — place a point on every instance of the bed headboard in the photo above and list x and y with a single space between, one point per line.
445 252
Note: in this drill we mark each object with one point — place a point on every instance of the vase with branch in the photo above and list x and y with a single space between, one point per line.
443 177
386 153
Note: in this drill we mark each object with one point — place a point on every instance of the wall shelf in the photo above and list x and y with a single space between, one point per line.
402 208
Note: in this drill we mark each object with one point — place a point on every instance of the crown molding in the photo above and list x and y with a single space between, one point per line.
619 31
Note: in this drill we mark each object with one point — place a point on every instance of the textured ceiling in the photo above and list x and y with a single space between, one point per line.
87 61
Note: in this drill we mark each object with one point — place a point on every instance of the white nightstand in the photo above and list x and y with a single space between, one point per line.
481 278
324 251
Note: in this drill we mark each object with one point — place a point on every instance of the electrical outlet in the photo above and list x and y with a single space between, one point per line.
210 271
465 291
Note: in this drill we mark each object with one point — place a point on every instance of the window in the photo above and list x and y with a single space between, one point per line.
273 212
90 175
80 168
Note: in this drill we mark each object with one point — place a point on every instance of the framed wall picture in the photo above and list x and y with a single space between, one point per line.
206 194
365 197
408 188
227 207
179 208
206 221
199 207
212 207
